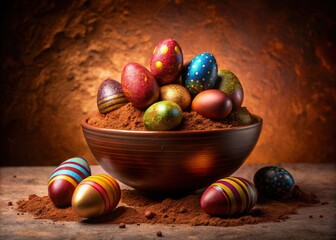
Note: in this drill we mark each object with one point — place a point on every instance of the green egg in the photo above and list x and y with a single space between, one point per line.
163 115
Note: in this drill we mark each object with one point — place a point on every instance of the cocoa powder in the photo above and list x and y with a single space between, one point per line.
171 210
130 118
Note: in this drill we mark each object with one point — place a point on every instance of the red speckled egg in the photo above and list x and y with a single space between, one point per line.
229 196
139 85
212 103
166 62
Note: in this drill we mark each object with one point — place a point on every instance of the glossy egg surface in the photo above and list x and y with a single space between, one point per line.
110 96
273 182
200 74
229 83
163 115
176 93
139 85
212 103
167 61
95 196
64 180
229 196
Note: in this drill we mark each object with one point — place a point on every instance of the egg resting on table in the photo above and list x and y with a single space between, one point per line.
230 84
166 61
64 180
201 73
212 103
273 182
163 115
229 196
95 196
139 85
110 96
175 93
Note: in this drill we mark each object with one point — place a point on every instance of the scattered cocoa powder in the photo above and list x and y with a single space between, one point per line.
10 203
130 118
171 210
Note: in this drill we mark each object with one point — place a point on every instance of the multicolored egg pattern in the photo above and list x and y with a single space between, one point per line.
166 61
65 178
229 196
201 73
110 96
273 182
95 196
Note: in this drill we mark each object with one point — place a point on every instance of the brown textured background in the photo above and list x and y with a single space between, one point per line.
54 54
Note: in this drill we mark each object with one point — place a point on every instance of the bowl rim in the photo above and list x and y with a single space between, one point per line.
86 125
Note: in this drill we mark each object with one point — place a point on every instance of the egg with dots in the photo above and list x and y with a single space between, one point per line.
166 61
96 196
200 74
229 83
212 103
110 96
139 85
64 180
273 182
229 196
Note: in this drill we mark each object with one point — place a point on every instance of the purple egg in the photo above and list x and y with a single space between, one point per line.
110 96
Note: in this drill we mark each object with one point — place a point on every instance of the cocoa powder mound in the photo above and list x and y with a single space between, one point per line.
171 210
130 118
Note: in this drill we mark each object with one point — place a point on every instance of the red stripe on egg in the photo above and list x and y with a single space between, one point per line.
102 192
116 193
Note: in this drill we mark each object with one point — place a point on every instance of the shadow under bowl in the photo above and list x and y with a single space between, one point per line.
171 161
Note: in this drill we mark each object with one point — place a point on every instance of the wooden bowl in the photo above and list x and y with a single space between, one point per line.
171 161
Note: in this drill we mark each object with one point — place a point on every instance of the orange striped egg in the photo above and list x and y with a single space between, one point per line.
64 180
229 196
95 196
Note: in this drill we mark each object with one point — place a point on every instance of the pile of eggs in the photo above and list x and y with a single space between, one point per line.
169 87
71 184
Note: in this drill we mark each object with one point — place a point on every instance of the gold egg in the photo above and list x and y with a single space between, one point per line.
176 93
96 195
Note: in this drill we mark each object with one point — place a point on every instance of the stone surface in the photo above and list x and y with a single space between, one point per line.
54 55
17 183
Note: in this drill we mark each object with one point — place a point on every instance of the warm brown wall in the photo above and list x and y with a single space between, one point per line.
55 53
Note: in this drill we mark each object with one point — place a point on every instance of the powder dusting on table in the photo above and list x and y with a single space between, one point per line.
171 210
130 118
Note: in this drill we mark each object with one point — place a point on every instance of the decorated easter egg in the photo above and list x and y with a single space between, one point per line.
228 197
95 196
273 182
176 93
64 180
229 83
167 61
212 103
241 116
139 85
163 115
110 96
201 73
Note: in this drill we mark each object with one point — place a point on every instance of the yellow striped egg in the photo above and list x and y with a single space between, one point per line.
96 195
229 196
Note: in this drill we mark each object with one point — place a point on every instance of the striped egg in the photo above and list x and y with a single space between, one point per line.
95 196
64 180
110 96
229 196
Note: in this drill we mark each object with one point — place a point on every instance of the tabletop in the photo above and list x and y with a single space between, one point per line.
18 183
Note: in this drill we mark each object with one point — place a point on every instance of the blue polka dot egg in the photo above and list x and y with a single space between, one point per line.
273 182
200 74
